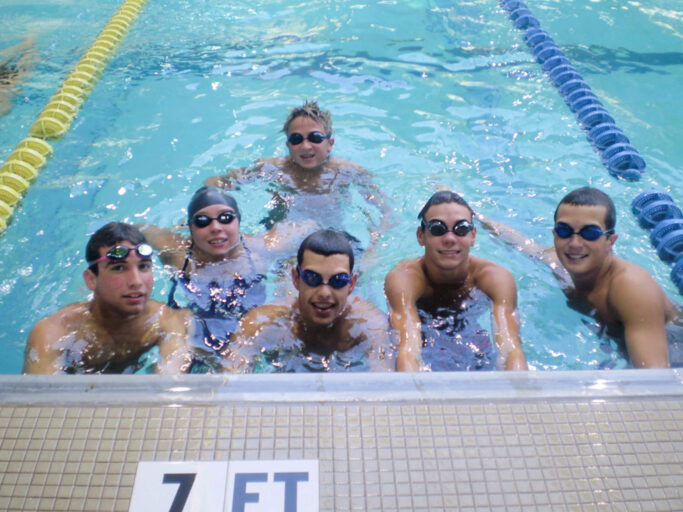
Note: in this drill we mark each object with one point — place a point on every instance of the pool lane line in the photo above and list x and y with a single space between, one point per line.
22 167
654 209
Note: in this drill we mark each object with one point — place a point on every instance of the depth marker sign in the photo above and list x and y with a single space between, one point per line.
236 486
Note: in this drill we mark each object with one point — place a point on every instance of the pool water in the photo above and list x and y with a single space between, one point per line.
424 94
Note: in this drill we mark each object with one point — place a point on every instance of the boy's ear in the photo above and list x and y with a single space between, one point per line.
90 279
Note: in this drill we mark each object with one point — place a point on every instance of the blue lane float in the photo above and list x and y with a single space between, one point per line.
654 209
589 110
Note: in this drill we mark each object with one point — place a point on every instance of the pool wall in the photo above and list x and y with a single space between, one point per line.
522 441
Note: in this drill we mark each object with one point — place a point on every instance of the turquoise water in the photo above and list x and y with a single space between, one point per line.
423 94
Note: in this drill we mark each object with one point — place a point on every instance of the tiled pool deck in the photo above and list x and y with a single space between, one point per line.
528 441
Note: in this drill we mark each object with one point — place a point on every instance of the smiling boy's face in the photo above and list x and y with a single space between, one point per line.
321 305
308 155
578 255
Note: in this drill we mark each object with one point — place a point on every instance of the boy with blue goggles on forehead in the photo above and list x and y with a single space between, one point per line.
110 332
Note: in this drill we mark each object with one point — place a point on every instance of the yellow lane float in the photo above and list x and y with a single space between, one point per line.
59 115
14 181
21 167
5 209
27 156
47 128
8 195
36 144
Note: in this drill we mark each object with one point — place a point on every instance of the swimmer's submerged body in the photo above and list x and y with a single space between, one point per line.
452 337
16 62
280 343
84 345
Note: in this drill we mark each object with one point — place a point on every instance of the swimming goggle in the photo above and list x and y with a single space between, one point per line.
315 137
438 227
121 252
590 233
201 221
313 279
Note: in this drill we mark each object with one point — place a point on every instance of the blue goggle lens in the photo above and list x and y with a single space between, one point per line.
313 279
590 233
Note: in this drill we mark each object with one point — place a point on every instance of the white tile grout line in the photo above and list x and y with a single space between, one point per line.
96 390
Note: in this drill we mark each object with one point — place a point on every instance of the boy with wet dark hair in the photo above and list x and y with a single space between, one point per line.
109 333
323 328
108 235
446 286
619 294
326 242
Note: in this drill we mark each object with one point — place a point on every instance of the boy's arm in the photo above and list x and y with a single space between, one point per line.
402 296
40 356
286 236
499 285
233 178
175 356
244 346
170 244
527 245
641 307
379 353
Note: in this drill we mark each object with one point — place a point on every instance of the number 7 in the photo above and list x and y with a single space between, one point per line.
185 480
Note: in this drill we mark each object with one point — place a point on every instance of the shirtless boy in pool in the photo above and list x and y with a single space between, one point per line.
324 328
621 295
446 278
109 333
309 182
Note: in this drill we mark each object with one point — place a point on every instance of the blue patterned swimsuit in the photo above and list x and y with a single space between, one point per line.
218 297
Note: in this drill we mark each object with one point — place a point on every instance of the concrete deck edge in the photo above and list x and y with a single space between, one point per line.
100 390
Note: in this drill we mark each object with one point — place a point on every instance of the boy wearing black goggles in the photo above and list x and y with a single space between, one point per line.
443 280
324 317
310 182
623 296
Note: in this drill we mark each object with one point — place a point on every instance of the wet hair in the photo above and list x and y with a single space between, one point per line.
326 242
588 196
208 196
443 196
313 111
111 234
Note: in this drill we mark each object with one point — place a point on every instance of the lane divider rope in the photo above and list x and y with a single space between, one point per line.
22 167
654 209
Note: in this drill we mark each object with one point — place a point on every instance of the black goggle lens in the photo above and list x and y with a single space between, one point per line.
315 137
438 227
201 221
313 279
590 233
